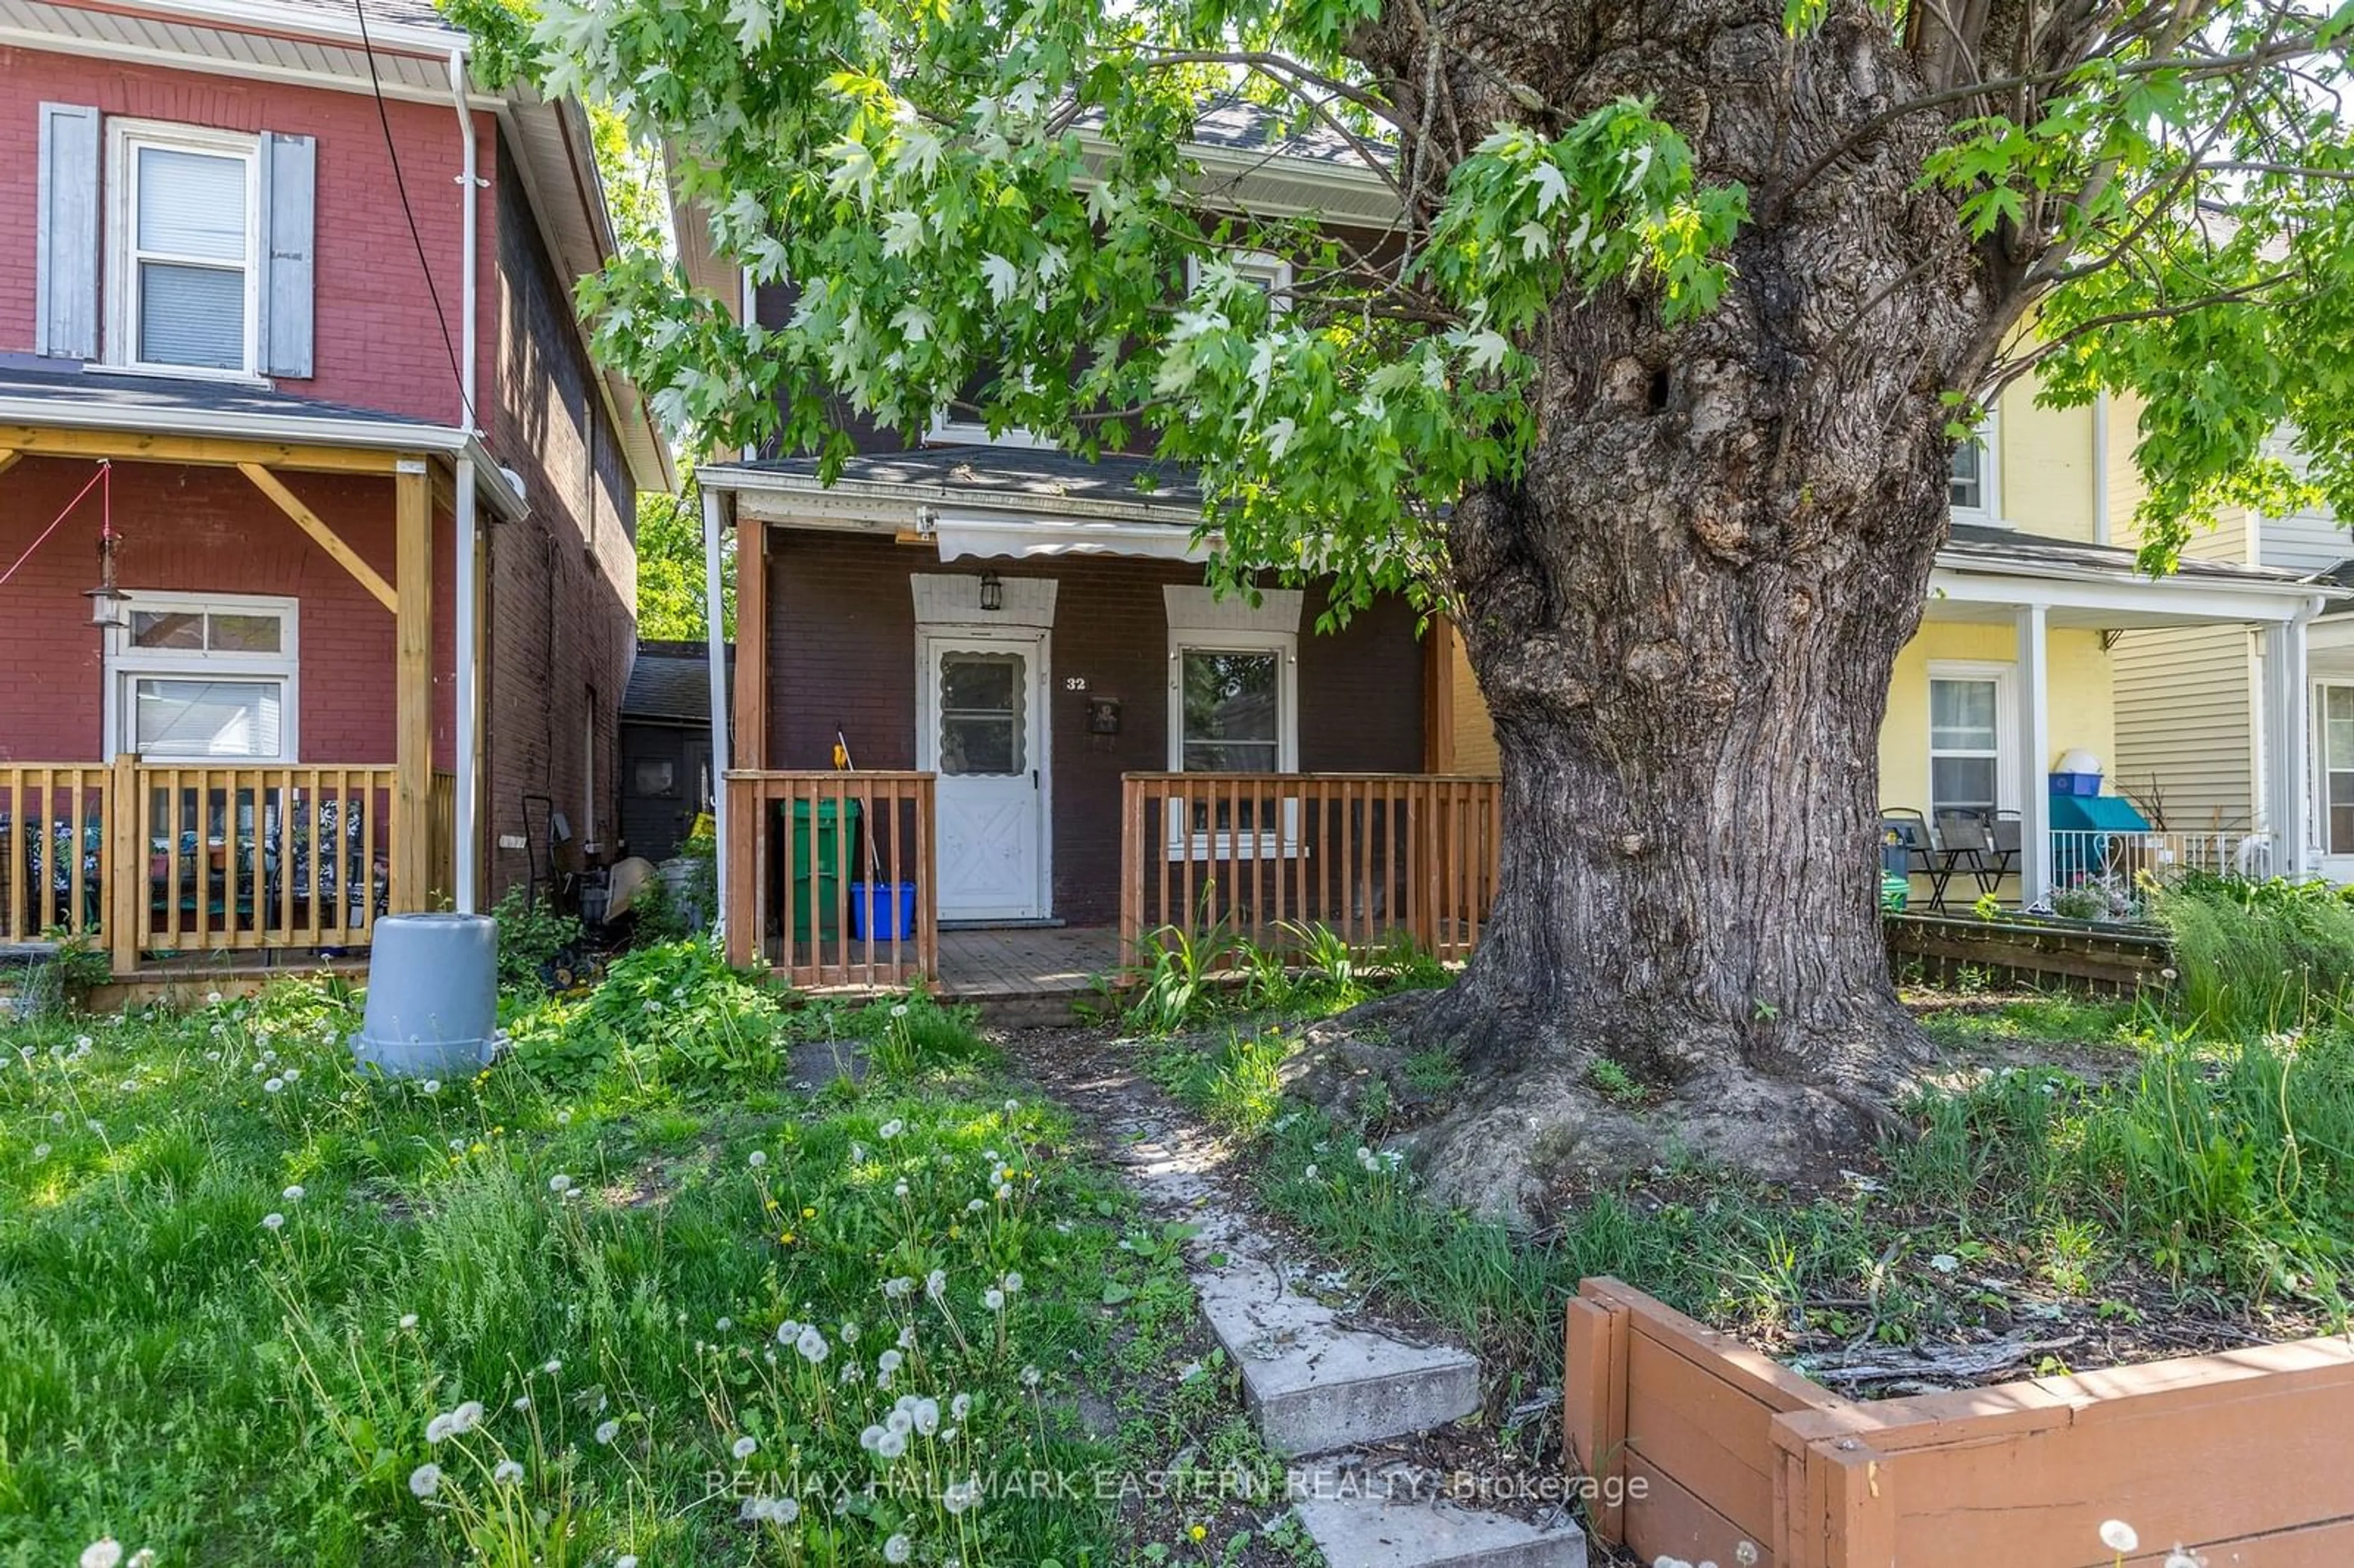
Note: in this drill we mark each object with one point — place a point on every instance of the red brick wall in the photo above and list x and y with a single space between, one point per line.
205 530
380 342
842 654
561 621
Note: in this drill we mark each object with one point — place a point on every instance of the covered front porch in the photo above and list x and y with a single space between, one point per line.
2005 693
221 749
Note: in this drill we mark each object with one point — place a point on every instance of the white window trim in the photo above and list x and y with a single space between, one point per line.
125 663
2320 814
1211 843
1264 265
2005 677
124 137
1988 512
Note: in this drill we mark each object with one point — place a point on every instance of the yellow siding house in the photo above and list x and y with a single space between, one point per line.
2039 639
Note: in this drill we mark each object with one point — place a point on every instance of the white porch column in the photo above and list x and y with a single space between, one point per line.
2034 758
2285 742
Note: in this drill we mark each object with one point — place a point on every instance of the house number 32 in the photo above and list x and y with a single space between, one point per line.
1074 682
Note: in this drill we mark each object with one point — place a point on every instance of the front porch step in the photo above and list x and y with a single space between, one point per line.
1315 1384
1393 1516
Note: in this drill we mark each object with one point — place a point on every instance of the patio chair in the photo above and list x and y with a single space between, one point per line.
1967 838
1903 829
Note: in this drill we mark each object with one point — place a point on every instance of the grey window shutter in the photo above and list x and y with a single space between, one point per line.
289 206
65 288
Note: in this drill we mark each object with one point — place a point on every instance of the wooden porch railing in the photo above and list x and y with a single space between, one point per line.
830 875
53 820
1374 857
254 857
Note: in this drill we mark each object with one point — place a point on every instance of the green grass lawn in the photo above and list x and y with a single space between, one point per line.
628 1294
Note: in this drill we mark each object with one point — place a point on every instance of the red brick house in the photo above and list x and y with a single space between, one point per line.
316 515
989 676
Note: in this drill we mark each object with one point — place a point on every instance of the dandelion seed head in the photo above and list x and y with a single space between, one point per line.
2119 1536
994 1298
293 1194
811 1346
101 1553
723 1325
744 1448
757 1159
432 1086
559 1183
960 1406
891 1445
271 1086
409 1319
506 1472
607 1431
441 1427
272 1221
898 1549
936 1284
522 1403
425 1480
467 1417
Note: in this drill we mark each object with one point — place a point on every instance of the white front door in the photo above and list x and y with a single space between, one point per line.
982 729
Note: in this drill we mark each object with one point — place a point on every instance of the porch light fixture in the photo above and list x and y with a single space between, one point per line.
107 601
992 591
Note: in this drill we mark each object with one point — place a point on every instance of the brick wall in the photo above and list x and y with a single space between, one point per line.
380 339
561 621
205 530
842 654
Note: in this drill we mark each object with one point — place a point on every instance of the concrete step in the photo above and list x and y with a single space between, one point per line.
1315 1384
1398 1517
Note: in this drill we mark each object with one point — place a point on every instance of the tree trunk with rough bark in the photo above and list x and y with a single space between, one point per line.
1684 617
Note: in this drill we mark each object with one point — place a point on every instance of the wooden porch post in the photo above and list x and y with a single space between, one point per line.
412 847
1438 697
748 750
126 863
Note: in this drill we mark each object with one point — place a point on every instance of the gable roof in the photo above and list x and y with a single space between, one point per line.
670 683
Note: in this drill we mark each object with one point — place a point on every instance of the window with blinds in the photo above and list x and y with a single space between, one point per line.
189 210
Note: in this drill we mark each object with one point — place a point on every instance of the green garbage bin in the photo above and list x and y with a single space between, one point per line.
818 840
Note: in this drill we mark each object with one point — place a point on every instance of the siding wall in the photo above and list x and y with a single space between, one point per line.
841 655
2077 693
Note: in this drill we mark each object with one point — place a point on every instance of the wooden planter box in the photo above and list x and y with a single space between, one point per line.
1695 1443
2108 958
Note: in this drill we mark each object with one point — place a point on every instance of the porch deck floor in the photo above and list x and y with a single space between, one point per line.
1045 962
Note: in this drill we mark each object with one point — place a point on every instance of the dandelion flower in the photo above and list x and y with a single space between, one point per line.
899 1010
1030 1377
936 1284
1012 1283
976 1206
849 1333
467 1417
812 1345
40 1152
425 1480
757 1159
961 1496
899 1189
293 1194
292 1074
901 1420
891 1445
960 1406
926 1415
522 1403
2183 1557
994 1298
272 1220
409 1319
1946 1263
564 1119
898 1287
144 1558
271 1086
1310 1171
1013 1107
788 1331
907 1336
432 1086
889 1362
441 1427
103 1554
891 1130
608 1430
506 1472
626 1559
1004 1191
559 1183
552 1368
2118 1536
744 1448
723 1325
869 1437
898 1549
212 998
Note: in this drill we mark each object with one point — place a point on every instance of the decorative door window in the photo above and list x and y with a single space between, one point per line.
981 701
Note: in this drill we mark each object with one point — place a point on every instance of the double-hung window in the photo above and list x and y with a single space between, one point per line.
1234 707
1974 486
2337 769
185 263
203 679
1968 708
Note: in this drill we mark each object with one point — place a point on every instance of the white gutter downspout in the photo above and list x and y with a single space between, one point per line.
714 605
467 851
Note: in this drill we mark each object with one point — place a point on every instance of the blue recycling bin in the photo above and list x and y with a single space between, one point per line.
883 911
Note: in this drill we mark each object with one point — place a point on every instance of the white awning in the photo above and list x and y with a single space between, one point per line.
1023 537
